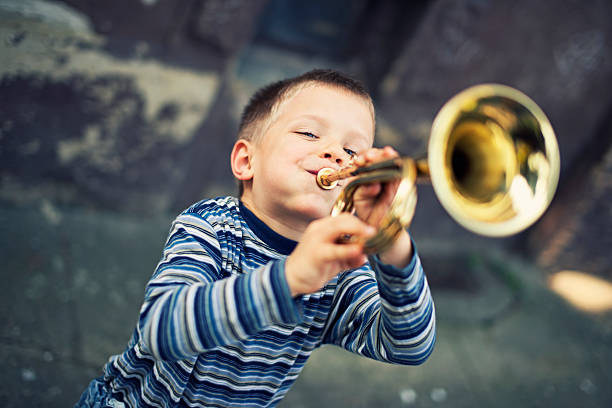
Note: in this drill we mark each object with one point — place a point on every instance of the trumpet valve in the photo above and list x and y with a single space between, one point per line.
322 178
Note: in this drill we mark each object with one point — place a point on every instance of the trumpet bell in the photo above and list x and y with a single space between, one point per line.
493 160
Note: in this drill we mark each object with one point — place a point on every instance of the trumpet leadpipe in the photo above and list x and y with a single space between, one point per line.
327 178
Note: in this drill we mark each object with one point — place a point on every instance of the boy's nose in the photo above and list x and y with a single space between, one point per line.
335 156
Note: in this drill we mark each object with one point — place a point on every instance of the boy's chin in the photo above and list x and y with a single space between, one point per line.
313 208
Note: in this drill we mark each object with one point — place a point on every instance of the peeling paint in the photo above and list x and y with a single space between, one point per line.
51 12
159 84
91 146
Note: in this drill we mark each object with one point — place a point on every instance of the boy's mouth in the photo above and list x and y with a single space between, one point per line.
316 172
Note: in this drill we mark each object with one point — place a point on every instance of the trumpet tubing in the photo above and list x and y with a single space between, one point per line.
493 161
327 178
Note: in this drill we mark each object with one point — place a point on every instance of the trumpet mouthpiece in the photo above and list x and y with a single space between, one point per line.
323 178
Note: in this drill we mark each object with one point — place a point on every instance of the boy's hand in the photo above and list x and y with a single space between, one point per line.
320 256
372 203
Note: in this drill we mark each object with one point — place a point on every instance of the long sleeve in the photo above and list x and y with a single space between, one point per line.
384 313
197 300
219 328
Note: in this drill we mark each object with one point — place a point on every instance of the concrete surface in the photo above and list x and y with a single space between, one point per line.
74 280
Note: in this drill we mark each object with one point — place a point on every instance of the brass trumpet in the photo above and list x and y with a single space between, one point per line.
493 162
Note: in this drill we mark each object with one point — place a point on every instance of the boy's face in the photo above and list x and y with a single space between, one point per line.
320 126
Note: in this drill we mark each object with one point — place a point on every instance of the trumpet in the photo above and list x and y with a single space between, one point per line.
492 159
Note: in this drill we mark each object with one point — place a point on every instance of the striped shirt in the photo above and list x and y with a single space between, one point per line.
219 327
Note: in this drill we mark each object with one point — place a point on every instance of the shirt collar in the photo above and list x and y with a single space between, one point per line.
278 242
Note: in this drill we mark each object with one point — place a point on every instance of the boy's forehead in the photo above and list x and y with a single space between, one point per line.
294 104
319 90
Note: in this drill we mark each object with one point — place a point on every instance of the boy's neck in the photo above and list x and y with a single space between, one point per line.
288 226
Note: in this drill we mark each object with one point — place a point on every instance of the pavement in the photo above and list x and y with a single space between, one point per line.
74 279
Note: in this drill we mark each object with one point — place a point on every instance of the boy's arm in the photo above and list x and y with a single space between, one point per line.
193 303
388 317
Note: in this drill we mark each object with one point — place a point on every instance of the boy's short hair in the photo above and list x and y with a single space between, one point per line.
265 103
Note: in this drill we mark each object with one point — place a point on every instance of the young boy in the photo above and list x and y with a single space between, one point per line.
247 288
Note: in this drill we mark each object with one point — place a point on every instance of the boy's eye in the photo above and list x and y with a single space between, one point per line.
313 136
350 152
308 134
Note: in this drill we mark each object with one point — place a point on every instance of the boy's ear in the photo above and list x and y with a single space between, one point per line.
241 160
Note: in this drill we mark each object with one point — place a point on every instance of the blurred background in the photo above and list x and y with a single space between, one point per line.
117 115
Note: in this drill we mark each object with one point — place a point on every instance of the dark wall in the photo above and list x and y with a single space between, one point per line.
132 106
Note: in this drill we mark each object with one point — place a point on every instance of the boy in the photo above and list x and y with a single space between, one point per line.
247 289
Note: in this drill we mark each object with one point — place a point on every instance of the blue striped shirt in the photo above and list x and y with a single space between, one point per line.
219 328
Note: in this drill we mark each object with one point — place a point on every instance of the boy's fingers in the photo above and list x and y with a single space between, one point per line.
368 191
390 152
351 254
375 154
346 224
